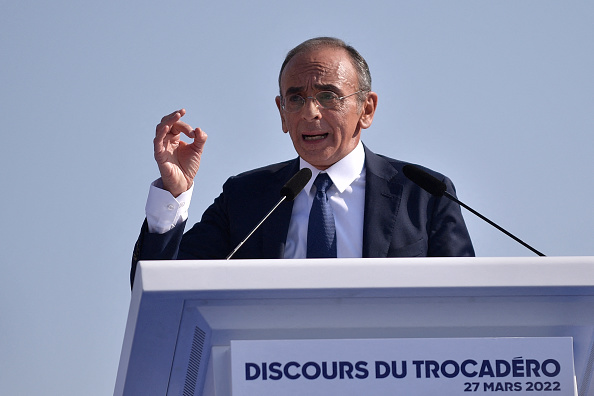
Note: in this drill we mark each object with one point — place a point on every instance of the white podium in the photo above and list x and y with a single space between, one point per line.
184 314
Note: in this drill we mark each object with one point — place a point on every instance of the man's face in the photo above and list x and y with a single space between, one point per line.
322 136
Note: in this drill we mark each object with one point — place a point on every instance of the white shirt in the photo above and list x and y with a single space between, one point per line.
164 211
347 199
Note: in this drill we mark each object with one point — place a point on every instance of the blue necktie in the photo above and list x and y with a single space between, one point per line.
321 231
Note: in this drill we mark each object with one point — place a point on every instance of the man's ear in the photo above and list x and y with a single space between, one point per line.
282 116
368 110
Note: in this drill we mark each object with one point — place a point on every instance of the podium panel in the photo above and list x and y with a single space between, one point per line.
185 314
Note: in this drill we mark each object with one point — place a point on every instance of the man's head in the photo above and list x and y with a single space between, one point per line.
325 129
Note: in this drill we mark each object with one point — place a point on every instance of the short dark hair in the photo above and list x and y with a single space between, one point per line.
363 74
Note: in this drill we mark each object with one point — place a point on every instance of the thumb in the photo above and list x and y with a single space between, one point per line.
199 137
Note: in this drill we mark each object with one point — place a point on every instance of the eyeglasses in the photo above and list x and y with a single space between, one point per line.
327 99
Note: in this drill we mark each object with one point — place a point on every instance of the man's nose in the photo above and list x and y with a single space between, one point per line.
311 108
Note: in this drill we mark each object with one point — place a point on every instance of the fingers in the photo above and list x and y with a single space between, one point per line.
172 124
199 137
168 131
173 117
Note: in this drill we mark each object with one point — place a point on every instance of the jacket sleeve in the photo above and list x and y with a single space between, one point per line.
153 246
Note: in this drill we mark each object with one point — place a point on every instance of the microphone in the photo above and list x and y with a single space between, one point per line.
295 184
288 192
437 188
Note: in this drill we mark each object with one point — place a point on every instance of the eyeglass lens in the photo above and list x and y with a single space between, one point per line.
326 99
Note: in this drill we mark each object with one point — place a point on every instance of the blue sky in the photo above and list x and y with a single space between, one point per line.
498 95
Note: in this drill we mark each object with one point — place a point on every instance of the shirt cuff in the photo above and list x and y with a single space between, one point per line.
163 210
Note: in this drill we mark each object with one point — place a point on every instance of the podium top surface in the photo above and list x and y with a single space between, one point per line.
376 273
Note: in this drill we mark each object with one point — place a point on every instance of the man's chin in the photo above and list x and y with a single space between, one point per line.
320 161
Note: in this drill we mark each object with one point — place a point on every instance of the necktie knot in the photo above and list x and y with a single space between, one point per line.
322 182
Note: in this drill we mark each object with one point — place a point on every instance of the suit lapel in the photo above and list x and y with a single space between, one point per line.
382 202
276 227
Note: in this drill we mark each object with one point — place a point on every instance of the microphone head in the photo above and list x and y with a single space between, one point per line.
427 182
296 184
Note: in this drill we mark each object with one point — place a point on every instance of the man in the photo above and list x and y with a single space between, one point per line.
325 103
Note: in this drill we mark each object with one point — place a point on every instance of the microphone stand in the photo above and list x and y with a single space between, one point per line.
509 234
255 228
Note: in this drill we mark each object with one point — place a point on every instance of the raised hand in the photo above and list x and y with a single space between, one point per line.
178 161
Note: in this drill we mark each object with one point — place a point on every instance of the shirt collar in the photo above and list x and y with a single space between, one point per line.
342 173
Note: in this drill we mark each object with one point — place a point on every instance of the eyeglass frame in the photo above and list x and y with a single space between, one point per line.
318 104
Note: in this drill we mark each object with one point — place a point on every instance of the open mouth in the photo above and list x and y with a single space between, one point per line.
315 137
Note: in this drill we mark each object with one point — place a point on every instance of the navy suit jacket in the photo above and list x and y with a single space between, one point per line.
400 219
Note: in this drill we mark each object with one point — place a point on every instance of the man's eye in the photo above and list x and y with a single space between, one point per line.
294 99
326 96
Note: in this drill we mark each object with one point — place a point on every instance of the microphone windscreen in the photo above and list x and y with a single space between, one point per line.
427 182
296 184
